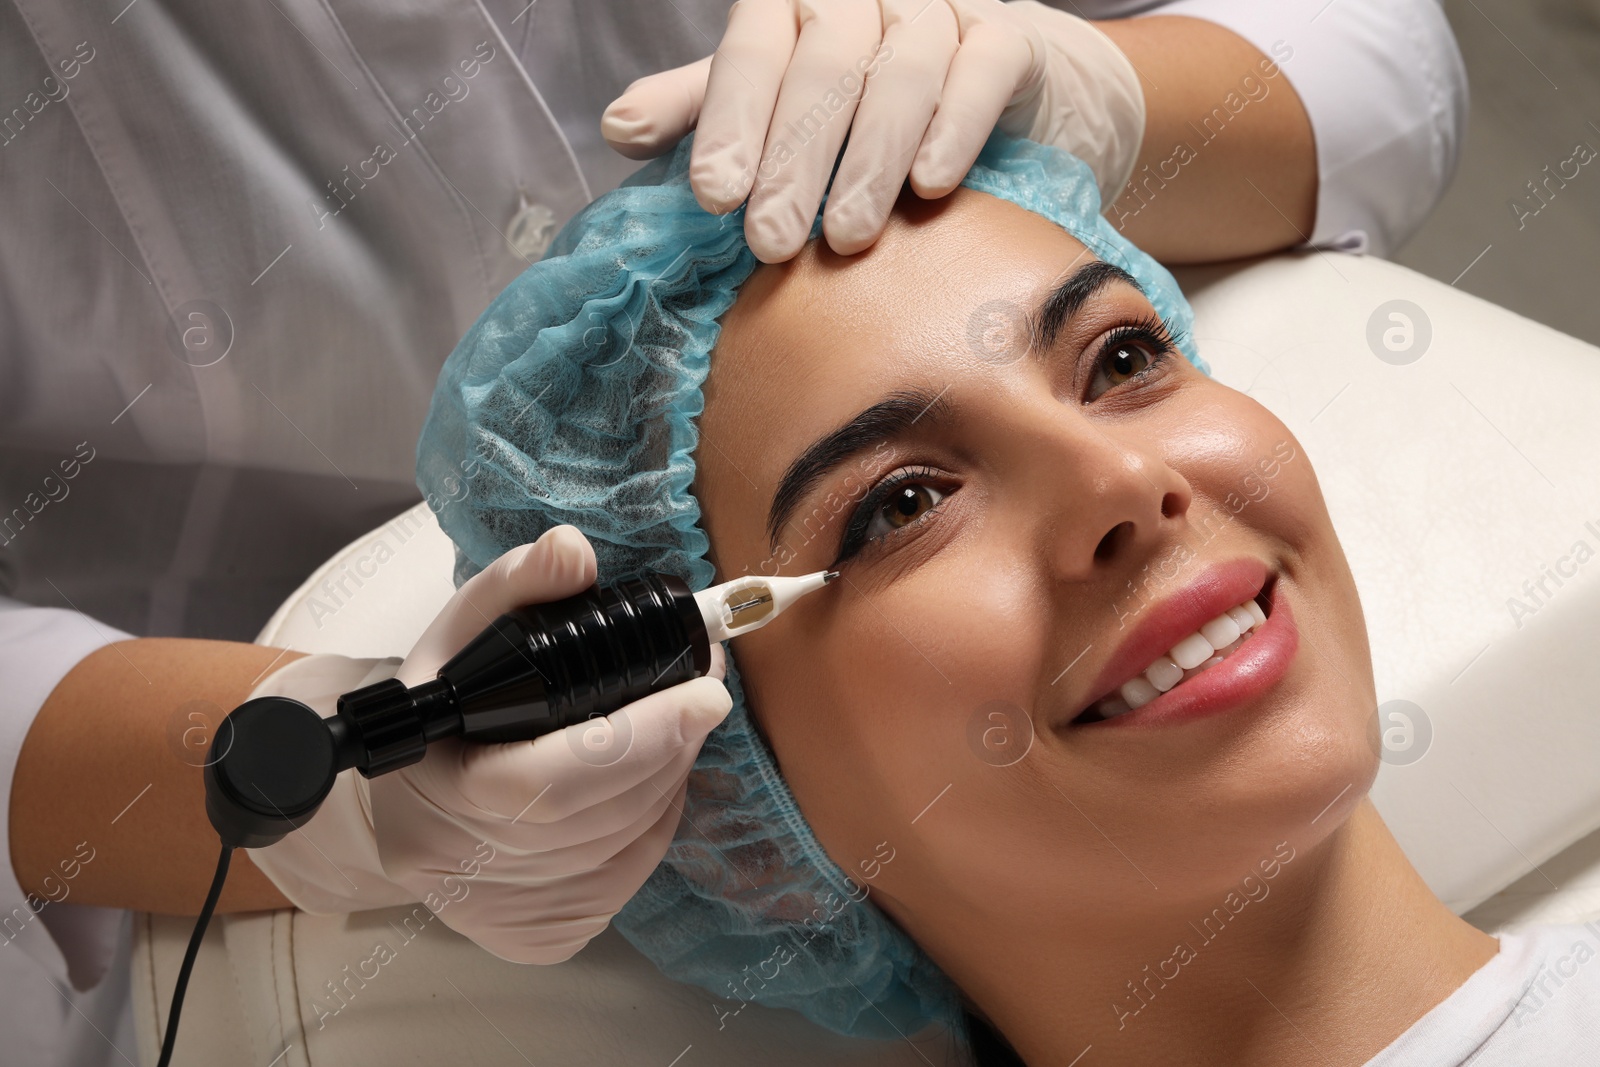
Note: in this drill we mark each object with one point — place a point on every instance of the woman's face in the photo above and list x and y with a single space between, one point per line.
1012 516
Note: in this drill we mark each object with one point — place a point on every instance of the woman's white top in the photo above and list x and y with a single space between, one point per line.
1536 1002
238 241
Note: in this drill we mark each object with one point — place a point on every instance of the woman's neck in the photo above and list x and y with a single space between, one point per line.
1348 950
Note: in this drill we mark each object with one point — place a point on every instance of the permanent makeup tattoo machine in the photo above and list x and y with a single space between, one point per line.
532 671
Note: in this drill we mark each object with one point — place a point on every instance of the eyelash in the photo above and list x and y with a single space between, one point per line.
855 533
1153 332
1160 346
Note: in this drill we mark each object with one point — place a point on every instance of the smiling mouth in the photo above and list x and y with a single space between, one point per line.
1215 641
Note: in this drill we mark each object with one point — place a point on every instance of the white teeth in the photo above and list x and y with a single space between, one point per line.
1138 691
1221 631
1200 651
1191 651
1164 674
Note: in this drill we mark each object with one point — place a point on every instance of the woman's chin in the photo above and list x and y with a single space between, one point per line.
1299 779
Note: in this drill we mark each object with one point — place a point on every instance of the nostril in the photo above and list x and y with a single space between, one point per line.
1108 543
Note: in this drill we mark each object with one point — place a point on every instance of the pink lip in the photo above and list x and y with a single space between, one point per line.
1249 671
1252 669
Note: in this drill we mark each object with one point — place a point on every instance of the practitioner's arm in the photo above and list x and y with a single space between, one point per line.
105 767
1218 186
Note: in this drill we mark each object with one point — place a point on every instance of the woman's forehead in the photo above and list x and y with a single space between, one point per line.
922 299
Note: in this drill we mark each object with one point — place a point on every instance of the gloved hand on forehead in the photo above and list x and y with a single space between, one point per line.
918 84
527 848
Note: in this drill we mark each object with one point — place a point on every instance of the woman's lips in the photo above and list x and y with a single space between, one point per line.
1245 674
1211 590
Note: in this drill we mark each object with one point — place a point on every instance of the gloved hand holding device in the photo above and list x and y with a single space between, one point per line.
918 84
527 848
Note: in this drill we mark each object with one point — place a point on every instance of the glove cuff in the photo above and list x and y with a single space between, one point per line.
1092 104
330 865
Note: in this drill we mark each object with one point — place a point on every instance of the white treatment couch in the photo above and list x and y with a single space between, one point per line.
1452 479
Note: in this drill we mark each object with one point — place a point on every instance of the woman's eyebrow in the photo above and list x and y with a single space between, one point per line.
1064 301
895 413
888 418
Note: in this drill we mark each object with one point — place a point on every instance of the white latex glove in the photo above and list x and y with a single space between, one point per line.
772 106
526 848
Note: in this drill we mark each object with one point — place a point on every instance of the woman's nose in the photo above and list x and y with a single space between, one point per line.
1116 499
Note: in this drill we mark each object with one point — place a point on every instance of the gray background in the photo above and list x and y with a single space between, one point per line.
1533 69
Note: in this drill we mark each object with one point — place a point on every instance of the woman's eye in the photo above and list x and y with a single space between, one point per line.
1129 353
1125 362
899 501
905 505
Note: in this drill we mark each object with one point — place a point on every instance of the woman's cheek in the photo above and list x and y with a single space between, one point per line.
950 649
1282 497
872 713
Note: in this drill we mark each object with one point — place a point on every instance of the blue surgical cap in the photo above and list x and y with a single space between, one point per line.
572 399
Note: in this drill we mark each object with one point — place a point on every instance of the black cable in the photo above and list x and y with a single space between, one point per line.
189 956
